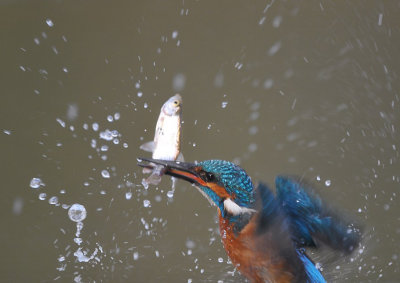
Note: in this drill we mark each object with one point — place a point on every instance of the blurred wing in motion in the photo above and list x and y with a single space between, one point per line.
311 219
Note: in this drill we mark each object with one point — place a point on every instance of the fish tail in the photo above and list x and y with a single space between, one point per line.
154 179
146 170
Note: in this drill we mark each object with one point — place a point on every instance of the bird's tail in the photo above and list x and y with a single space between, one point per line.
313 274
310 218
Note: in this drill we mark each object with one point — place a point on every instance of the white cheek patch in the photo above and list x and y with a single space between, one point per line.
234 209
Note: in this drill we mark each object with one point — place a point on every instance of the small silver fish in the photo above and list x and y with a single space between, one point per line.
166 144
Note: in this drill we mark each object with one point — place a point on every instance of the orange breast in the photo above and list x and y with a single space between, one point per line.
252 255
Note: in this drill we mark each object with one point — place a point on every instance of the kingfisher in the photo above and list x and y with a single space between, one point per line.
266 234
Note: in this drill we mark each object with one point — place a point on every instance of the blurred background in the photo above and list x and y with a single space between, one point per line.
309 88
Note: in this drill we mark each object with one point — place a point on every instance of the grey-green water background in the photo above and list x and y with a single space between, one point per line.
298 87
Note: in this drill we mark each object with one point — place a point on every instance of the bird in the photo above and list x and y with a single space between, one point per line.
266 235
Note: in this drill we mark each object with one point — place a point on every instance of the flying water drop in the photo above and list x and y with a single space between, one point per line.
105 174
128 195
49 22
42 196
53 200
36 183
146 203
77 212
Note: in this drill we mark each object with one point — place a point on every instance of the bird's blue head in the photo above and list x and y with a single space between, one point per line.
222 182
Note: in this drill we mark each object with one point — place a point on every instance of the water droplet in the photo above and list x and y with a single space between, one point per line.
110 118
61 122
95 127
380 19
49 22
220 259
140 94
77 212
276 22
53 200
106 135
318 265
135 256
170 194
268 83
128 195
117 116
36 183
318 178
72 112
190 244
238 65
42 196
179 82
328 183
252 147
18 206
146 203
105 174
174 34
219 80
253 130
224 104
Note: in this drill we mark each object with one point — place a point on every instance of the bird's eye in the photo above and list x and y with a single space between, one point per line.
207 176
211 177
176 102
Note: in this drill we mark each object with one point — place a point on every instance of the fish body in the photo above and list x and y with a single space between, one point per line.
166 142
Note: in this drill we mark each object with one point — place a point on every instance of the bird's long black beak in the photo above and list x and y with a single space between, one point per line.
182 170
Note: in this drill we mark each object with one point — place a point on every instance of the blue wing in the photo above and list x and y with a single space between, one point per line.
274 222
310 219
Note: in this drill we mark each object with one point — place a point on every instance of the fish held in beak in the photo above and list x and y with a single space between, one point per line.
166 142
178 169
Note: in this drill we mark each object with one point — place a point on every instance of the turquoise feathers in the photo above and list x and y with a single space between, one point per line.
233 178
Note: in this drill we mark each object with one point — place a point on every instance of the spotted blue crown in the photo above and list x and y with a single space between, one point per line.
233 178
